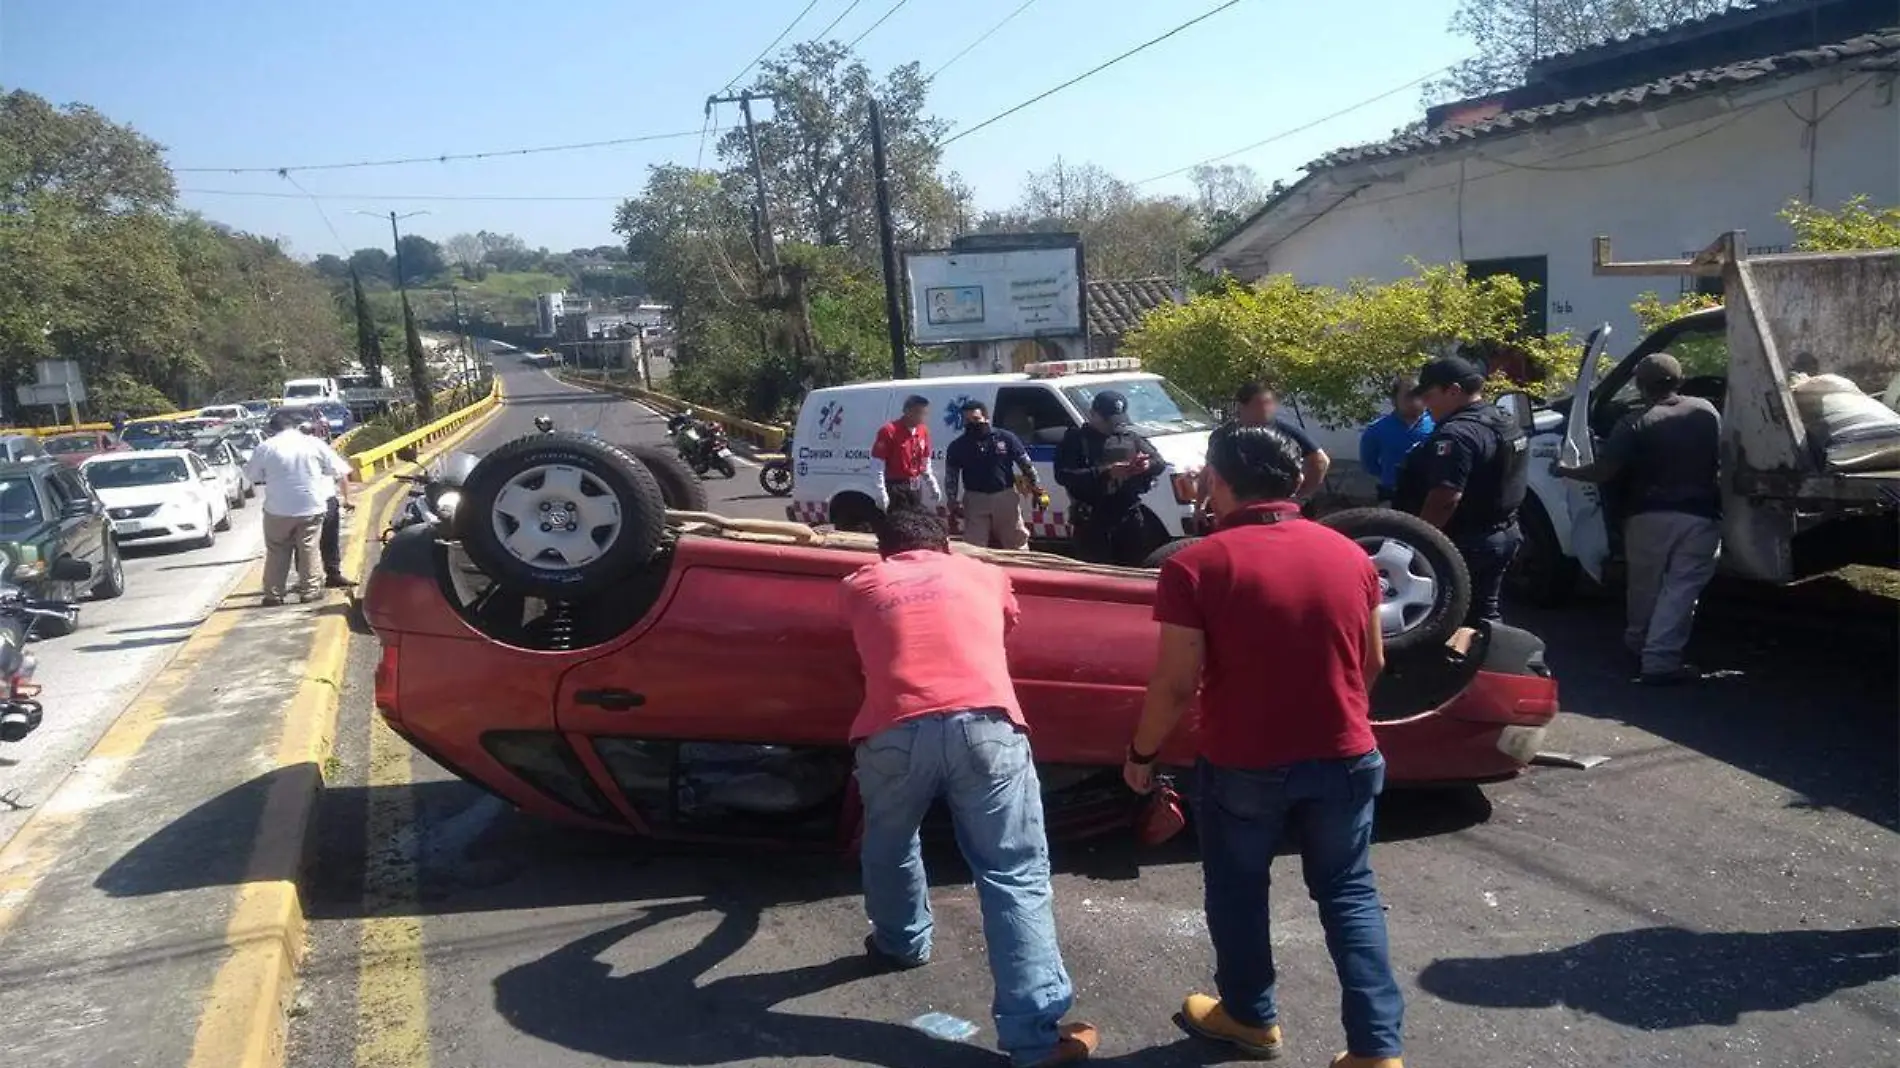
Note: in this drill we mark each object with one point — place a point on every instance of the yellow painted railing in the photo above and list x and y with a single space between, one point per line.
764 434
383 456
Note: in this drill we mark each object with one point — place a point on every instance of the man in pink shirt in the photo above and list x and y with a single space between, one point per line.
940 720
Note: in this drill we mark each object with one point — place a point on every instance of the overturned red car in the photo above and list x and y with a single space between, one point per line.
566 641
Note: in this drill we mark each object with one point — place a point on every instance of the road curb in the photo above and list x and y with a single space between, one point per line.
243 1023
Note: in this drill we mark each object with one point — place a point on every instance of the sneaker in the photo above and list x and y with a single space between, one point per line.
271 602
1204 1016
1076 1045
1347 1060
890 961
1685 673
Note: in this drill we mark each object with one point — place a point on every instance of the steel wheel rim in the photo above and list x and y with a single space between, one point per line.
556 516
1408 584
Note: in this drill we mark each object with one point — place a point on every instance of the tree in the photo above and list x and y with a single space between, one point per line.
422 259
1124 234
98 166
418 366
506 252
1226 194
333 268
1854 225
1511 34
1336 350
372 263
369 342
466 252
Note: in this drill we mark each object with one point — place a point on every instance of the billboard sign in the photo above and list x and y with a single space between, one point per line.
994 295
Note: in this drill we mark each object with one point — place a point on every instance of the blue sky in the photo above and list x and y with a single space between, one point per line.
249 83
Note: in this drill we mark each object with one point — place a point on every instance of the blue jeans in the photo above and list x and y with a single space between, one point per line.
979 763
1326 805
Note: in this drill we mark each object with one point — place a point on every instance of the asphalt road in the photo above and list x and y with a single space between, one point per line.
1721 892
91 675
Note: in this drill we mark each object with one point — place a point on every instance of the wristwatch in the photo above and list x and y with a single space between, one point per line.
1138 759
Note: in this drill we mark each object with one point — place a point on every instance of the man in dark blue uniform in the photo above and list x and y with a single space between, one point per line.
1468 478
1106 465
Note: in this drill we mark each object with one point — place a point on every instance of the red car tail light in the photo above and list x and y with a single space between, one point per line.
387 678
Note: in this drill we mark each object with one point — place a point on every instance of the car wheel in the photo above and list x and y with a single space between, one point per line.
854 512
678 487
238 501
1161 555
224 521
556 515
112 583
1425 588
776 478
211 532
1541 573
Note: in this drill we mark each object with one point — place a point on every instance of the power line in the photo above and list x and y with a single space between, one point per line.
1300 129
1085 74
767 50
442 158
321 214
879 22
826 32
1024 6
396 196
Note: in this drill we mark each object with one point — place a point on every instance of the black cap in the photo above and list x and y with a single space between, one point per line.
1112 405
1449 371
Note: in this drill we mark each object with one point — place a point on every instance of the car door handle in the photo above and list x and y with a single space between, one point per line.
611 700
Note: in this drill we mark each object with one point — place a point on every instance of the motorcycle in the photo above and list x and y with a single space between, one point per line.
20 713
433 494
775 476
704 446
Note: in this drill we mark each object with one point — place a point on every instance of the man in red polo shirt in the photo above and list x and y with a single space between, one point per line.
903 444
1274 620
940 721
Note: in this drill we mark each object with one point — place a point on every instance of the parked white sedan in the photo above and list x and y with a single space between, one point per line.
160 496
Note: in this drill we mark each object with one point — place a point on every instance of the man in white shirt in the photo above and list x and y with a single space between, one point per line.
300 475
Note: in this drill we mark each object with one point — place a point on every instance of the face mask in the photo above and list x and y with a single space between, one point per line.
976 429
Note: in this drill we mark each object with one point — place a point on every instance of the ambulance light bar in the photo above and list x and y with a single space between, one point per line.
1058 368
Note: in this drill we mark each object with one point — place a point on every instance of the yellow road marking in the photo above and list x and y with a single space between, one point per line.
392 993
243 1021
33 850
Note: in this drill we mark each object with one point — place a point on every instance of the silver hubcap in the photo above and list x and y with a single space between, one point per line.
1408 587
556 516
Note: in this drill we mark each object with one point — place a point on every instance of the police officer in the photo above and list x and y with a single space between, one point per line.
1468 478
1106 466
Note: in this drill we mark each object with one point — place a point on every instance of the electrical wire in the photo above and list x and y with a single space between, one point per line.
879 22
1024 6
394 196
321 214
1299 129
767 50
826 32
450 157
1001 115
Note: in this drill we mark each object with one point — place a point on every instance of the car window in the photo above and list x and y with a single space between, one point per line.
146 471
71 486
20 507
61 494
1703 353
1155 405
72 443
1032 413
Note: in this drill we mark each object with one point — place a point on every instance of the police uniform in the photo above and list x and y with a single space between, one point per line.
1106 516
1481 452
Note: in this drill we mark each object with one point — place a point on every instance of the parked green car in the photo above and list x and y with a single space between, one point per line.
47 512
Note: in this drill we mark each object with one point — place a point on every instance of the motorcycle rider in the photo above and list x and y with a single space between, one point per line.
1469 477
1106 465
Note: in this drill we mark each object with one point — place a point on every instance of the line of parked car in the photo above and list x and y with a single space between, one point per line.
165 481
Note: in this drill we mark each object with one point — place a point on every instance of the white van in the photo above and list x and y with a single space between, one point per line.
312 391
834 478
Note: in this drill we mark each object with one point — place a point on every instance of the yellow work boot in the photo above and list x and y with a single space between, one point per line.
1205 1017
1347 1060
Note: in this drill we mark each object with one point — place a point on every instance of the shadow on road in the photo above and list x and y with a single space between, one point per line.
134 643
1659 978
213 563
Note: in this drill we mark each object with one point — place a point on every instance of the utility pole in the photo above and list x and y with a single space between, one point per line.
418 366
887 240
762 210
461 333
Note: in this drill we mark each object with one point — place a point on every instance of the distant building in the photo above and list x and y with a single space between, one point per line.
548 309
1113 307
1662 141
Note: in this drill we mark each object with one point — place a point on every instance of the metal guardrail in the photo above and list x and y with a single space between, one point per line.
384 455
763 434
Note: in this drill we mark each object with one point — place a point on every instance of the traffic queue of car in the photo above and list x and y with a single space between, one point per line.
85 494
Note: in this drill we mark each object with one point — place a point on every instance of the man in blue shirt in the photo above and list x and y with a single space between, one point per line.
1383 446
981 467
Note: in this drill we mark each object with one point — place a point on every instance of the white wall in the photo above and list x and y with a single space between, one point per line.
1657 191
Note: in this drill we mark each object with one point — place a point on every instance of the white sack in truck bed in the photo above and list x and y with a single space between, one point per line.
1849 430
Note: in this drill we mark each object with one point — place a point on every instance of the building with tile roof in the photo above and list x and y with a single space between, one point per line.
1662 140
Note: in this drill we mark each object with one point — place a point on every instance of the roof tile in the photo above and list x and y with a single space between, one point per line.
1116 305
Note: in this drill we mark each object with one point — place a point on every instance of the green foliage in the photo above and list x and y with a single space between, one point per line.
119 392
1512 34
1704 355
1854 225
1338 350
418 365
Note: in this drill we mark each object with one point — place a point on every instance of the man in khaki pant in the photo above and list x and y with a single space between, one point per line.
983 463
299 474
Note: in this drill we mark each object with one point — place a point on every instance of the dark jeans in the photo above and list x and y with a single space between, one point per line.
327 544
1326 806
1488 558
1111 537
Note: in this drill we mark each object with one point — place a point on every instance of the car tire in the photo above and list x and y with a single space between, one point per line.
112 582
682 491
854 512
1422 576
726 470
1163 553
210 537
1541 573
515 479
240 501
224 523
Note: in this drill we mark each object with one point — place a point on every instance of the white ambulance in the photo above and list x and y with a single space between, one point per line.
834 477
